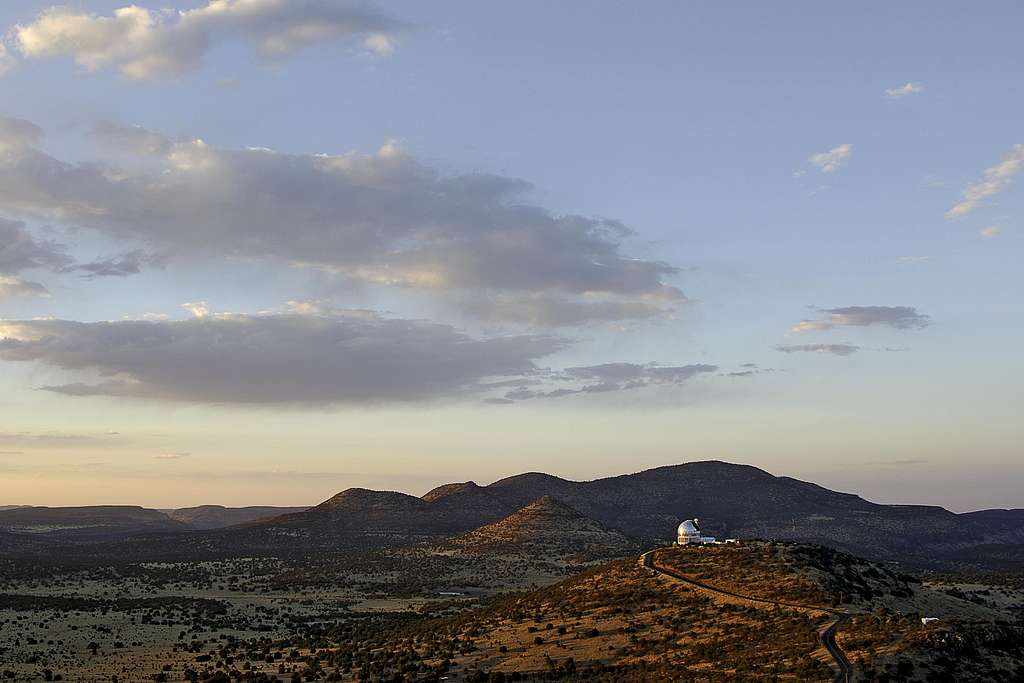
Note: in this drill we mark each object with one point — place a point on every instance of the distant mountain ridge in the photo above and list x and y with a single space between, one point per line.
91 523
732 500
87 523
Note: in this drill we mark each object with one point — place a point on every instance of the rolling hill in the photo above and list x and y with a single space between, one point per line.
545 528
218 516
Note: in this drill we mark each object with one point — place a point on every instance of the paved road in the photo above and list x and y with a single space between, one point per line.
828 639
827 636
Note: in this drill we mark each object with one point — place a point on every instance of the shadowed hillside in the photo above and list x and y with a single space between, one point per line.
84 524
218 516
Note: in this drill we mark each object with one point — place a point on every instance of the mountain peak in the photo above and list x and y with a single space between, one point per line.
529 478
449 489
359 498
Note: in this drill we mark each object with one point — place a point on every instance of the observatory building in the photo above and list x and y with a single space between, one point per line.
688 533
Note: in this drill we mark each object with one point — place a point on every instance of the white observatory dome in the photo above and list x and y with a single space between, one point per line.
688 527
688 532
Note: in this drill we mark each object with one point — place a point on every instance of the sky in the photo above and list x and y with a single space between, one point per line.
259 251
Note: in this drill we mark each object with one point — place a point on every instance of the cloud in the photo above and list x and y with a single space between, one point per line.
19 250
609 377
271 359
201 309
997 178
171 456
119 265
898 463
991 231
835 349
54 439
900 317
831 160
914 259
904 90
18 133
12 286
146 44
383 218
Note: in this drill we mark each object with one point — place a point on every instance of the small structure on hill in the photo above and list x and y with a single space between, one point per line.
689 533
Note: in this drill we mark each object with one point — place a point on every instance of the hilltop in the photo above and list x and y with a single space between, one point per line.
623 621
545 528
541 543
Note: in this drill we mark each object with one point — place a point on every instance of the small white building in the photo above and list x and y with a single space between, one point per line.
689 533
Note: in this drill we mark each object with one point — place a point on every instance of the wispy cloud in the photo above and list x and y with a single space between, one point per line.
11 286
996 179
608 377
991 231
904 90
55 439
834 349
831 160
171 456
900 317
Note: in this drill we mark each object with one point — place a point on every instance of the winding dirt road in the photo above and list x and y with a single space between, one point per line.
826 636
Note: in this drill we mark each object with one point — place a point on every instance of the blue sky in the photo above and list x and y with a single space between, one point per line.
696 181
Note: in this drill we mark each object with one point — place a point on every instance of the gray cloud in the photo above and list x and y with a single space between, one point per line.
284 358
835 349
900 317
19 250
380 218
609 377
15 133
120 265
13 286
145 44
